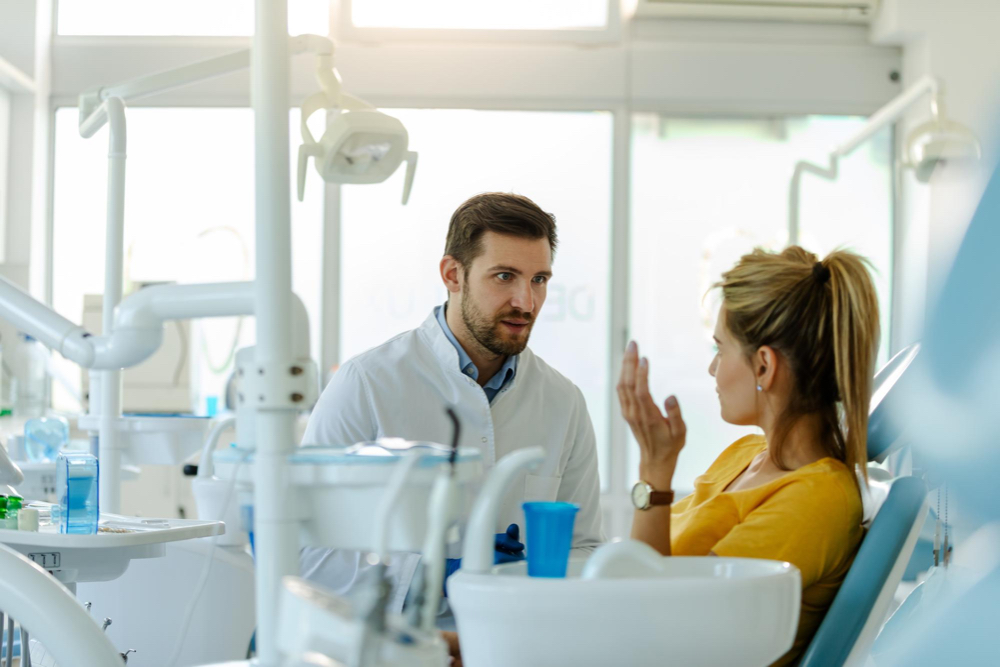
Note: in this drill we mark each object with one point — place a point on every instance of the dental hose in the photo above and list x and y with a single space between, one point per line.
444 498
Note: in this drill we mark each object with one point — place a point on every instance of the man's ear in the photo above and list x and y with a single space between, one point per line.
452 274
765 366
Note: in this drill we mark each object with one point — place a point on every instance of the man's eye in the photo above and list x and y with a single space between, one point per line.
715 348
505 276
541 280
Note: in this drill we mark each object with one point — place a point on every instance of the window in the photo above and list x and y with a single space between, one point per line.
706 191
390 253
182 17
491 14
189 218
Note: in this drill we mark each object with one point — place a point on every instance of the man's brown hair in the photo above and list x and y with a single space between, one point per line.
499 212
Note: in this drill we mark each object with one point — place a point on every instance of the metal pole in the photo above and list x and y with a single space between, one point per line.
276 534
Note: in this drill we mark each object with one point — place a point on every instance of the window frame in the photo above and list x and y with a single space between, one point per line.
342 26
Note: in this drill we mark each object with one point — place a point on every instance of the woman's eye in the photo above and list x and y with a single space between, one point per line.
715 348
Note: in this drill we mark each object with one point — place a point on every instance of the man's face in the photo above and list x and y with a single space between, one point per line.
503 291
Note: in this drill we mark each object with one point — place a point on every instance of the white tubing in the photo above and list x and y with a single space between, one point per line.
206 468
138 330
27 314
442 510
477 557
277 539
150 307
51 614
383 513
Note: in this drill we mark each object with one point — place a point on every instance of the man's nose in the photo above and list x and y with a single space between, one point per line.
523 299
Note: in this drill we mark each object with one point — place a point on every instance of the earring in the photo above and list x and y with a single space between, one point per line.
759 388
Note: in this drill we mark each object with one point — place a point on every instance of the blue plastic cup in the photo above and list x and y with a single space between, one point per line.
549 528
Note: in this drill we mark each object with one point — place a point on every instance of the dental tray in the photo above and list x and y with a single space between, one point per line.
106 555
337 490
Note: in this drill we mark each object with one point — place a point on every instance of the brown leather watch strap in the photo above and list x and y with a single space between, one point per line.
657 498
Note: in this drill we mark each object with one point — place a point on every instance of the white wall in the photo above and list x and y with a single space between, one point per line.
957 42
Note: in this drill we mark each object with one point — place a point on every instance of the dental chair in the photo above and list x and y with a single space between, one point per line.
848 631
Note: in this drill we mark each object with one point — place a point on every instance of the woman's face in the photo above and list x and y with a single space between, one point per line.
734 378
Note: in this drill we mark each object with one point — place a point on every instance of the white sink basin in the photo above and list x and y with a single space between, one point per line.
693 611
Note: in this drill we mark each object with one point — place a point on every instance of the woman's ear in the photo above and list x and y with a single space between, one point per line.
765 366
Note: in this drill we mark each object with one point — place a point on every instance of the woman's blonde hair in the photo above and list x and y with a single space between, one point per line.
823 318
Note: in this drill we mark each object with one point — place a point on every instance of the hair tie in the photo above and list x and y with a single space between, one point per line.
821 273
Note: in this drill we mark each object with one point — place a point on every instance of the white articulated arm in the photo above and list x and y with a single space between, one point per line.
33 598
477 556
92 117
890 113
138 330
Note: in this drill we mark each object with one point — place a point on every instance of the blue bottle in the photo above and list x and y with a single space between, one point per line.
77 483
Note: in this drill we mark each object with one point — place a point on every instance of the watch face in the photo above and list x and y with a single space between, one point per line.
640 495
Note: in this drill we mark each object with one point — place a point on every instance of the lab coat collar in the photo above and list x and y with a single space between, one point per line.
446 353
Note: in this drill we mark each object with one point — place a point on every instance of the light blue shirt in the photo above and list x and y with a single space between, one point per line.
498 381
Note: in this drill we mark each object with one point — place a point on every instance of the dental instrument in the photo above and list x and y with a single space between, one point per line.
443 511
936 141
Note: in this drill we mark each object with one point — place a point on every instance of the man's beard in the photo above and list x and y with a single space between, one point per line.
488 331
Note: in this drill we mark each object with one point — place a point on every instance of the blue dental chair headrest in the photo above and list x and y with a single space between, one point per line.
884 427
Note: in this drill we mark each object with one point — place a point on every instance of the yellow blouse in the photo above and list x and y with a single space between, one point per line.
810 517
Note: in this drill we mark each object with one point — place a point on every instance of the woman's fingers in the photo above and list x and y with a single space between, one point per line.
629 363
626 381
645 405
674 417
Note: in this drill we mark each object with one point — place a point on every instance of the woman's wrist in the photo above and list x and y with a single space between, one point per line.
658 474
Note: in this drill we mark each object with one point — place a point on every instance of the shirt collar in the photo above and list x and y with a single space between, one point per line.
506 372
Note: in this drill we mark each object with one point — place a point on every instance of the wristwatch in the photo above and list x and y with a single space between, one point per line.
644 496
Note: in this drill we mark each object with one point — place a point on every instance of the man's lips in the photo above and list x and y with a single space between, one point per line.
516 326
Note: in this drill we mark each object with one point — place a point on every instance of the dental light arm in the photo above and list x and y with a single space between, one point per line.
360 144
178 77
138 329
964 143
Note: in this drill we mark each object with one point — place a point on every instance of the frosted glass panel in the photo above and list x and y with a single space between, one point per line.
706 191
390 252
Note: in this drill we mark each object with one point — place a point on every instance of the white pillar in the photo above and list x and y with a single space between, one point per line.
276 539
110 452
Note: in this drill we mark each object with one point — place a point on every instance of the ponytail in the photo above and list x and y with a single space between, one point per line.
855 344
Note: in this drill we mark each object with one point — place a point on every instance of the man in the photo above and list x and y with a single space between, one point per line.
471 354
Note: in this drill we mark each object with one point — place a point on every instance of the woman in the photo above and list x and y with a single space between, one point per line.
797 341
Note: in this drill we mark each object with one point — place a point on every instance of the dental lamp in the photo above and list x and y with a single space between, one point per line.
937 141
360 143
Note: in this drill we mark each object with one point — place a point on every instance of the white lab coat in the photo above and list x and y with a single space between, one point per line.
402 387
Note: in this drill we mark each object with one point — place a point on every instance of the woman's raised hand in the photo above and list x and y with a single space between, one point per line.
661 438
